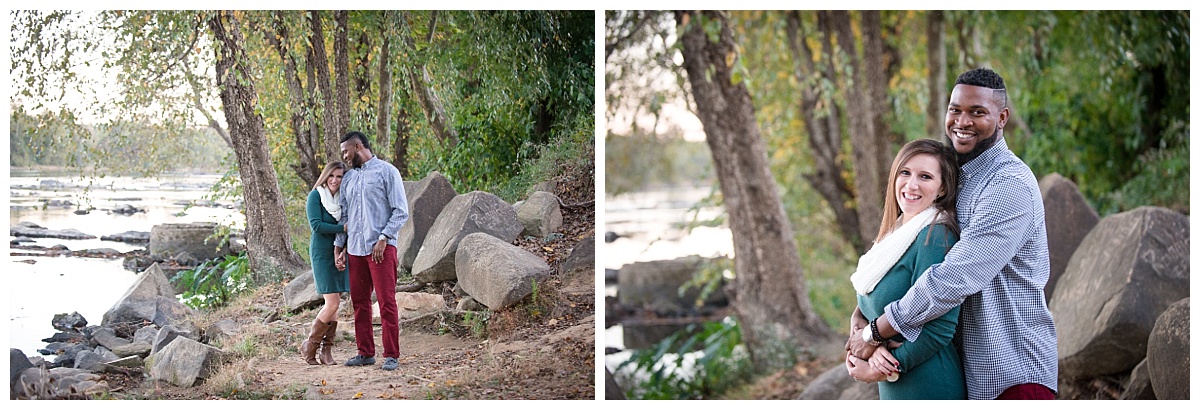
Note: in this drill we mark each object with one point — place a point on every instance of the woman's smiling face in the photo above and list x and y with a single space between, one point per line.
918 184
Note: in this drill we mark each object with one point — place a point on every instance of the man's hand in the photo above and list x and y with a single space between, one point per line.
857 322
339 260
857 347
377 251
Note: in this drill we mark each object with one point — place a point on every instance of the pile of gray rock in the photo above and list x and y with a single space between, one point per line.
146 331
467 239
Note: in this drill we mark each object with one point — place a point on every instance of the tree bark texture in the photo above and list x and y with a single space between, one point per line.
870 175
309 169
935 48
321 61
341 65
824 136
383 109
768 293
875 72
268 241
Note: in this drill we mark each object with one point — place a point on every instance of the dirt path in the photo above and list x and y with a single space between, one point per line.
431 366
543 349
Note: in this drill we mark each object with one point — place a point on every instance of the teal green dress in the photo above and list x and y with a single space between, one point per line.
930 367
320 248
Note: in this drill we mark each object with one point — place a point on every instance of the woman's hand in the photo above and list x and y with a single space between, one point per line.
883 361
861 371
339 260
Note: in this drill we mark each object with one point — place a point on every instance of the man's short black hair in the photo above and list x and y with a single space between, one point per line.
983 77
361 138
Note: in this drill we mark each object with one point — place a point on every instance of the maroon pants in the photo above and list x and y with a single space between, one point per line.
1028 391
365 276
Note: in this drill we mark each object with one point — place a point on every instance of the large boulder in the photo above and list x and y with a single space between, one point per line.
1168 352
578 269
612 390
496 273
836 384
540 214
655 285
17 363
68 322
107 338
466 214
1124 274
410 305
138 349
1068 219
183 362
426 199
301 292
169 240
90 361
167 334
1138 385
150 298
32 230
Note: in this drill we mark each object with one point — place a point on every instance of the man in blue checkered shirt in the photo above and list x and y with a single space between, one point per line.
998 268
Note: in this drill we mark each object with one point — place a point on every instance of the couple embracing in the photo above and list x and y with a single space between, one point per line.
355 211
950 297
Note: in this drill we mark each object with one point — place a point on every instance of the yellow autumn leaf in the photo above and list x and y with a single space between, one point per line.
358 395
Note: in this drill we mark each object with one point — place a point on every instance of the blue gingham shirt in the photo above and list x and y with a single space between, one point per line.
373 202
997 272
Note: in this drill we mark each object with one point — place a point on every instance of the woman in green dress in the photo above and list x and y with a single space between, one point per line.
919 226
324 212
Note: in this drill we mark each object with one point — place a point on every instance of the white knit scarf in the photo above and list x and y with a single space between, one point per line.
330 201
881 257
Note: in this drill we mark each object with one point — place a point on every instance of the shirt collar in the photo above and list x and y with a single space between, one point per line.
986 158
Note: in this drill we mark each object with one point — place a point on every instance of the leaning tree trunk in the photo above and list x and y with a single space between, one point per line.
824 136
341 62
309 169
329 122
383 109
268 242
935 49
768 293
419 80
870 174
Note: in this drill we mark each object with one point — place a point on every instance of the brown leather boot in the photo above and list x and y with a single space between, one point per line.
327 343
310 345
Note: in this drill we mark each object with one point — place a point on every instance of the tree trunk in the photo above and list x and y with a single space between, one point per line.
362 105
268 242
824 137
876 76
383 109
400 144
341 65
869 174
420 82
935 48
768 293
309 169
321 62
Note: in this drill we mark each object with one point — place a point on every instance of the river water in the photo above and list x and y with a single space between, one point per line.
41 286
651 225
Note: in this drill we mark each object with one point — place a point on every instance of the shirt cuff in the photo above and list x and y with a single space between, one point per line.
897 319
